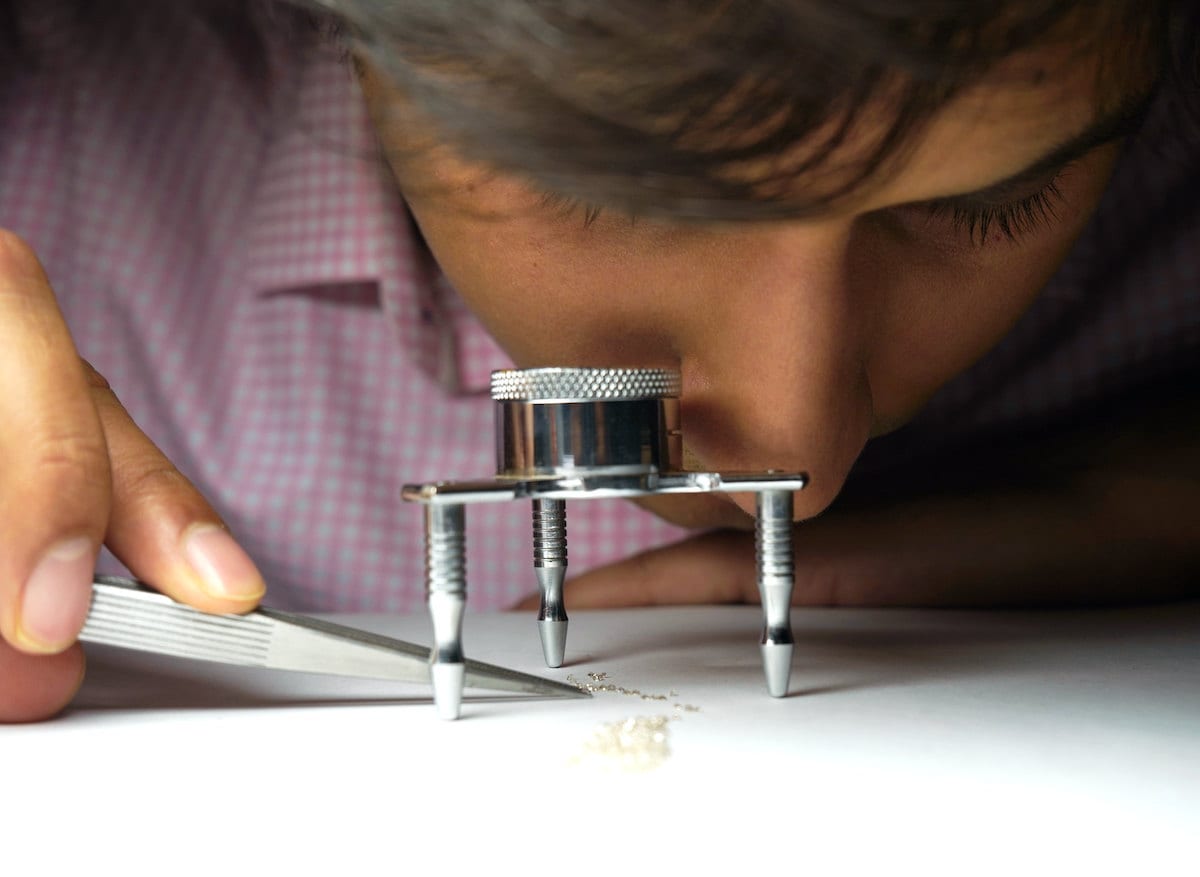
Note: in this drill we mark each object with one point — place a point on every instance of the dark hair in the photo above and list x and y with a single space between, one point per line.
687 108
695 108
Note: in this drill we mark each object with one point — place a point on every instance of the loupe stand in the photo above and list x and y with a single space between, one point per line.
577 434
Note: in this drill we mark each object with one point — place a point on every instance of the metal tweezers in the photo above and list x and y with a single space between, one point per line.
126 614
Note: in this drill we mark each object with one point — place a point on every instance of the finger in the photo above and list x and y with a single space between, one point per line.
37 687
832 568
704 511
713 567
54 484
162 528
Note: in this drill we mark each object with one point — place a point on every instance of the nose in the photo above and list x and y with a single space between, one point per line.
773 362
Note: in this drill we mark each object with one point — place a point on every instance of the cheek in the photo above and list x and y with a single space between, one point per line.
941 317
944 306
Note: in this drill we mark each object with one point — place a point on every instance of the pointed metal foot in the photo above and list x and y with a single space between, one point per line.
554 641
777 666
776 580
448 682
446 589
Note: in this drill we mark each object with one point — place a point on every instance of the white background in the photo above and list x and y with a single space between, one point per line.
911 742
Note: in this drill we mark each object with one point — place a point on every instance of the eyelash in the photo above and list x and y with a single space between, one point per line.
1013 220
565 205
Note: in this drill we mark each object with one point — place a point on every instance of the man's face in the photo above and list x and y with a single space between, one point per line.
797 340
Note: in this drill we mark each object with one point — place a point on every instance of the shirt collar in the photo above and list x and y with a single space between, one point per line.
326 214
321 215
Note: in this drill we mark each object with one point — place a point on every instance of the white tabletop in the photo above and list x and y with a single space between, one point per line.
911 742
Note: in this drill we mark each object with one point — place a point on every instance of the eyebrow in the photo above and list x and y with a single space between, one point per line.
1120 121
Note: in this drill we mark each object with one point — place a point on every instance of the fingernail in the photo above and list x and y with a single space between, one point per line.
224 568
57 596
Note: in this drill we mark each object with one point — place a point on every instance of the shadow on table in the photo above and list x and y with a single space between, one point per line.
120 680
840 650
837 650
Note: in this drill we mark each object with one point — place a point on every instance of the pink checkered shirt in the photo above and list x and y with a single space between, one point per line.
234 260
244 274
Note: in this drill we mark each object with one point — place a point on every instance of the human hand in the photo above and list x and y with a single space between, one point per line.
78 472
1120 528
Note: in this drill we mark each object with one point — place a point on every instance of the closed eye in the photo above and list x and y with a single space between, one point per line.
982 222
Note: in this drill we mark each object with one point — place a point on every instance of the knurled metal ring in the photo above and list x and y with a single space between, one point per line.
583 384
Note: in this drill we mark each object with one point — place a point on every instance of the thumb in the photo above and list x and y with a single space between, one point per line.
716 567
37 687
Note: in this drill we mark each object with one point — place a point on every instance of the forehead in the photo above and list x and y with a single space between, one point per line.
1019 113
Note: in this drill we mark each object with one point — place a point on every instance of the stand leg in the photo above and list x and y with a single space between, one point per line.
776 579
550 566
446 592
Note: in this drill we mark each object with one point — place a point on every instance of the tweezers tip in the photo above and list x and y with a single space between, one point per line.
540 687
